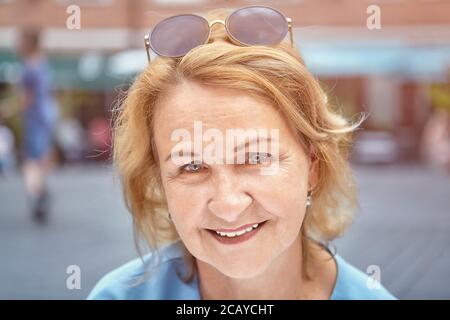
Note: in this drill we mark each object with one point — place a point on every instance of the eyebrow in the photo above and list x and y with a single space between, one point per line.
236 149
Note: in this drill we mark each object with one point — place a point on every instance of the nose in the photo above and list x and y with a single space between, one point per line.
229 200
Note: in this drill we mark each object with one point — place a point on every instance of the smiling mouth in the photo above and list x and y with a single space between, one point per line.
236 232
231 236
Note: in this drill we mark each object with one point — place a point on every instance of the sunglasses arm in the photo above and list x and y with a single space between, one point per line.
147 47
291 32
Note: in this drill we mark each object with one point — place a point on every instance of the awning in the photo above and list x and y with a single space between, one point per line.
427 63
95 71
87 72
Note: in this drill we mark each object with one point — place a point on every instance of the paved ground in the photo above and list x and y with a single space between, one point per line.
403 226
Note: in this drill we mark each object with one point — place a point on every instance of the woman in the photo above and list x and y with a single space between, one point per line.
39 118
229 229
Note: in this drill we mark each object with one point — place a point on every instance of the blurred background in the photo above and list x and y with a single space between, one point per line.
68 210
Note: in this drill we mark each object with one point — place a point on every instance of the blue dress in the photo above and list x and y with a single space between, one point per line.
158 280
41 115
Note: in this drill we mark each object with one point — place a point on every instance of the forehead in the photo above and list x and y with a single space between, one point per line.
215 107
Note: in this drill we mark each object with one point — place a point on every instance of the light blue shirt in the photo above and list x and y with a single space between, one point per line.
158 280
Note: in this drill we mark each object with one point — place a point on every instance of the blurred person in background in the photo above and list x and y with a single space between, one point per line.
40 115
436 134
7 143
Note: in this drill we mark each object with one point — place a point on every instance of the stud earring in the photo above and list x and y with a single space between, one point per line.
170 217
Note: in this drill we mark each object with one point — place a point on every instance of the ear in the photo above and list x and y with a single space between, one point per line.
313 175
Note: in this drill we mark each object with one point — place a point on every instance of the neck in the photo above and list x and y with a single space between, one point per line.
283 279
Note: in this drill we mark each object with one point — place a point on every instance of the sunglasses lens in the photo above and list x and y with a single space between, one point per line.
257 26
176 36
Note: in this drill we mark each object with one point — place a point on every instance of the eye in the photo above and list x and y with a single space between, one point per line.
192 167
259 157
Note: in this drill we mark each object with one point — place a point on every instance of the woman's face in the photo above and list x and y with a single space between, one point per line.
230 197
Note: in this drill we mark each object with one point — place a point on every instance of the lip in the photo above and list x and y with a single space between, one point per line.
245 226
239 239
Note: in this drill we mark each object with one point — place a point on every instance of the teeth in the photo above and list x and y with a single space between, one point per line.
237 233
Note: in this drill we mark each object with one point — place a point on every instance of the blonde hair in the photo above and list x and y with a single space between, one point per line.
277 74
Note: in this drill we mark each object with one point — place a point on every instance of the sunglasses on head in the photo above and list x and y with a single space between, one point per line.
175 36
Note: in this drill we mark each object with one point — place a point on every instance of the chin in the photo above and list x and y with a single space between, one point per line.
243 269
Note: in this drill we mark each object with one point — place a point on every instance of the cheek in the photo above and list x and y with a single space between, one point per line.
185 206
283 194
283 198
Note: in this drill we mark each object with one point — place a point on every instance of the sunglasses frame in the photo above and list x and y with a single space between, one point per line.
225 23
